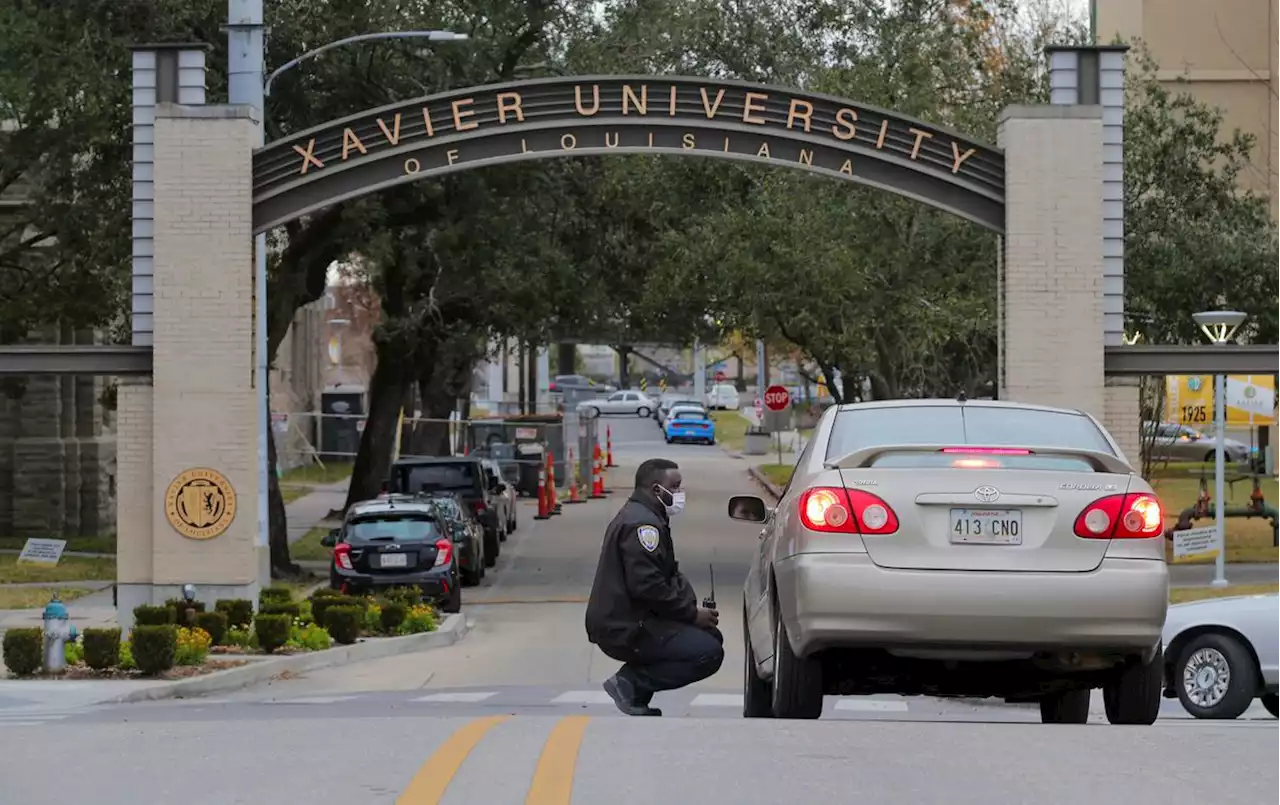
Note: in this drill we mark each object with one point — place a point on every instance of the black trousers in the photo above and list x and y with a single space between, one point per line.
670 657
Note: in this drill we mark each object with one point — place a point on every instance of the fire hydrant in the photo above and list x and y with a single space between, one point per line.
58 629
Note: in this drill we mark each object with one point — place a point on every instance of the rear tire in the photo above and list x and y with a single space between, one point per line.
491 547
1066 707
453 601
797 681
757 699
1269 701
643 413
1134 695
1214 656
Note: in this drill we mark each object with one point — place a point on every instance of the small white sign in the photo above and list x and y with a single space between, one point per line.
42 551
1195 543
526 434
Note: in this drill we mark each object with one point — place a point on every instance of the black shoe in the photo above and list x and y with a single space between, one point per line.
622 692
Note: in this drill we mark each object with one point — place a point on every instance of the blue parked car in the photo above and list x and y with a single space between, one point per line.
689 425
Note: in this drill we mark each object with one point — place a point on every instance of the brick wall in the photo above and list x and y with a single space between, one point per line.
1051 311
137 494
205 409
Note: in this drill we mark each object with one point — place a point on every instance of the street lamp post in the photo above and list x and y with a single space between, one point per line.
1219 326
431 36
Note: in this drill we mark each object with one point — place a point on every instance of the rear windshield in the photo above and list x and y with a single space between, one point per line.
432 477
688 414
980 426
395 527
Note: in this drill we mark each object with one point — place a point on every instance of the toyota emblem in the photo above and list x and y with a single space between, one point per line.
987 494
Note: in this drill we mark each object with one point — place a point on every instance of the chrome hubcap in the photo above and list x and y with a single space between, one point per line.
1206 677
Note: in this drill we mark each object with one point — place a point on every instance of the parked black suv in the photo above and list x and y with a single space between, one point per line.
465 477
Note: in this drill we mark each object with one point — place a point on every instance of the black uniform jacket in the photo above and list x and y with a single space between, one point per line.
638 585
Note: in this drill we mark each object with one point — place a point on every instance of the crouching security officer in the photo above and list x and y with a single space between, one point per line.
642 610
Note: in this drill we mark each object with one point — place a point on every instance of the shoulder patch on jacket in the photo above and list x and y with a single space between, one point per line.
648 537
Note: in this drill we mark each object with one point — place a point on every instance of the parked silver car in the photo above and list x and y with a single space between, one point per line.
634 403
1184 443
952 548
1222 653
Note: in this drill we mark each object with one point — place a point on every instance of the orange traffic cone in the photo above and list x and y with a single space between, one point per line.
553 502
543 513
574 494
597 482
608 436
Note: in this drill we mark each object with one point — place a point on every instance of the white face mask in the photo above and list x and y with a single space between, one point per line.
677 501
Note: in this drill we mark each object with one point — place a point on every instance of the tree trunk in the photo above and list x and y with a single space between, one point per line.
282 565
386 393
624 366
531 382
521 360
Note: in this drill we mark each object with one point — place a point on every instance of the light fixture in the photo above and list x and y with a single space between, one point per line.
189 592
1219 326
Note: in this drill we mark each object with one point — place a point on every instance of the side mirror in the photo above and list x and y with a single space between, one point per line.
749 508
331 539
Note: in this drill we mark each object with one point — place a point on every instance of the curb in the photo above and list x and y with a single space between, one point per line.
768 485
451 631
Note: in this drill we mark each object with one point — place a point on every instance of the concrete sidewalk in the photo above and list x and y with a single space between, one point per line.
312 509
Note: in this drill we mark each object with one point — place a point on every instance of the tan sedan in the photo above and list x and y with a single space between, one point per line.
951 548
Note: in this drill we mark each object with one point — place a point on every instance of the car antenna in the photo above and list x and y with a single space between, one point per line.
962 397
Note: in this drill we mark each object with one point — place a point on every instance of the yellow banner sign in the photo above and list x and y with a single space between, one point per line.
1251 400
1189 400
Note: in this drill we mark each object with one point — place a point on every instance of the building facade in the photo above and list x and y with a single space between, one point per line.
1223 52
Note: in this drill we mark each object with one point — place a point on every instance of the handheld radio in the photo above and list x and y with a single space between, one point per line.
710 601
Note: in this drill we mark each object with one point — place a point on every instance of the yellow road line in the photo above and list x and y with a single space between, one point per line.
553 778
428 786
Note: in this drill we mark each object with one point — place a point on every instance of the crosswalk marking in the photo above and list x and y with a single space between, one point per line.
717 700
583 697
871 705
458 696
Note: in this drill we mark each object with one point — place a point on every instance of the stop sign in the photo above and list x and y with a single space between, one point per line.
777 398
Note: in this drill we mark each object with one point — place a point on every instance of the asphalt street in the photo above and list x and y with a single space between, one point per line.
514 713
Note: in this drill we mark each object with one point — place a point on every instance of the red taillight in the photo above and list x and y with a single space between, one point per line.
342 556
846 511
1132 516
444 552
976 464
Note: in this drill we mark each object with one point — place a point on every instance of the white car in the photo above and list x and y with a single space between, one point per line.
630 402
1221 654
723 396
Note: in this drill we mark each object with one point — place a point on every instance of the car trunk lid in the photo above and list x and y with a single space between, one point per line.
966 508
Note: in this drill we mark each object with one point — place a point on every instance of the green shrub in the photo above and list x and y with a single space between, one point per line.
126 657
73 652
101 648
320 605
311 637
272 631
392 615
148 615
215 623
421 618
327 592
155 648
289 608
239 611
409 596
180 607
343 623
274 595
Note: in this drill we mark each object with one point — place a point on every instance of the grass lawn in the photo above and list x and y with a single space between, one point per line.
291 493
731 429
309 547
71 568
35 597
779 474
1248 539
1180 595
103 544
316 474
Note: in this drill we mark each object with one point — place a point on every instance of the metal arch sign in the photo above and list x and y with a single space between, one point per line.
547 117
